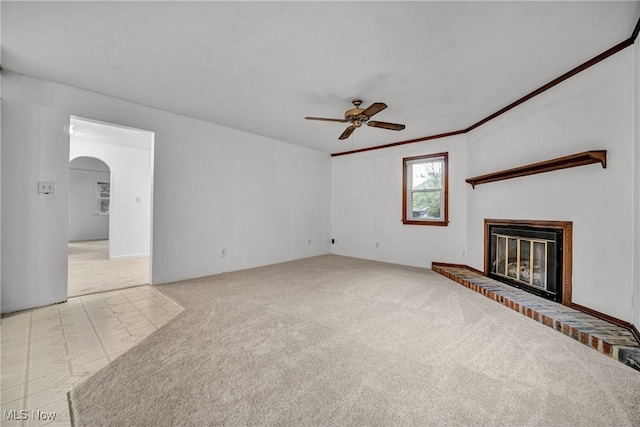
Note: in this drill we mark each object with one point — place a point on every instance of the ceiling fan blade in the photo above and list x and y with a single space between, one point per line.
374 108
385 125
347 132
326 120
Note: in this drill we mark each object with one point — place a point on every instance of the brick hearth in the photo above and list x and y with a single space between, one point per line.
610 339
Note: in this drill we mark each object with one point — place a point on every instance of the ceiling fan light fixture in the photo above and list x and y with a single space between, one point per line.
358 116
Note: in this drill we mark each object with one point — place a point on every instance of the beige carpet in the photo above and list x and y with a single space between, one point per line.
339 341
91 271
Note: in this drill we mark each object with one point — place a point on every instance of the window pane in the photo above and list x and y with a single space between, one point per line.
426 205
104 189
426 175
104 206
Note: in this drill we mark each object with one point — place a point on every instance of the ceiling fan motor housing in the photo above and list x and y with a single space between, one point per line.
354 115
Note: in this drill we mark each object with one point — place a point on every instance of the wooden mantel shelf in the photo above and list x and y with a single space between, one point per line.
580 159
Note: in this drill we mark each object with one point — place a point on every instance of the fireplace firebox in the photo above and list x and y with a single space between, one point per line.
530 255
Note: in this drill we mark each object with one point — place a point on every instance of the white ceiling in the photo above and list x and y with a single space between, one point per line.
263 66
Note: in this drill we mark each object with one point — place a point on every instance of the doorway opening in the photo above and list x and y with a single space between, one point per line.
110 200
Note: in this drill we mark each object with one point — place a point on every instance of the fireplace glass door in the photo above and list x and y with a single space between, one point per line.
527 259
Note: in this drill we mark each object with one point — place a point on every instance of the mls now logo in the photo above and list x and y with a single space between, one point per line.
16 415
22 415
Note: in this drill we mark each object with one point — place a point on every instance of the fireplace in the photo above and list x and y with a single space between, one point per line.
531 255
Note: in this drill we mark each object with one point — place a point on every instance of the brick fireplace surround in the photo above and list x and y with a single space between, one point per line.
610 339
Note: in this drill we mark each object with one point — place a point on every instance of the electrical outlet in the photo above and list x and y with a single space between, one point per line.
46 187
464 253
223 252
377 244
309 242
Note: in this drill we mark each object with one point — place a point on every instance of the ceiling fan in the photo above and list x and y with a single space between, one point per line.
358 116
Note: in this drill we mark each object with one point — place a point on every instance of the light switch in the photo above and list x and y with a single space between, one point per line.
46 187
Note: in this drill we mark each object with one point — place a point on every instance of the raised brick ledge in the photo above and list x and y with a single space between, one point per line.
609 339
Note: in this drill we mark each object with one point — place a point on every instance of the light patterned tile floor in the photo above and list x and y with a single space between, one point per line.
47 351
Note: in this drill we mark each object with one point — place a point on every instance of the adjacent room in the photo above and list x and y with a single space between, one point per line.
320 213
108 248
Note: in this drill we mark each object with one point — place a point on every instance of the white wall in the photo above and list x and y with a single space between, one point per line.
1 102
130 206
636 180
590 111
84 221
259 199
214 187
367 207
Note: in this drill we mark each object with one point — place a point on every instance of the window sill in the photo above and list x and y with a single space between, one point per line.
436 223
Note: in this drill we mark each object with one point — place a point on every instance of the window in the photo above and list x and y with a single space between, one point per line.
103 196
425 190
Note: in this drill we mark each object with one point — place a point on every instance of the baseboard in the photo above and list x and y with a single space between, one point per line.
448 264
141 255
22 310
608 318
